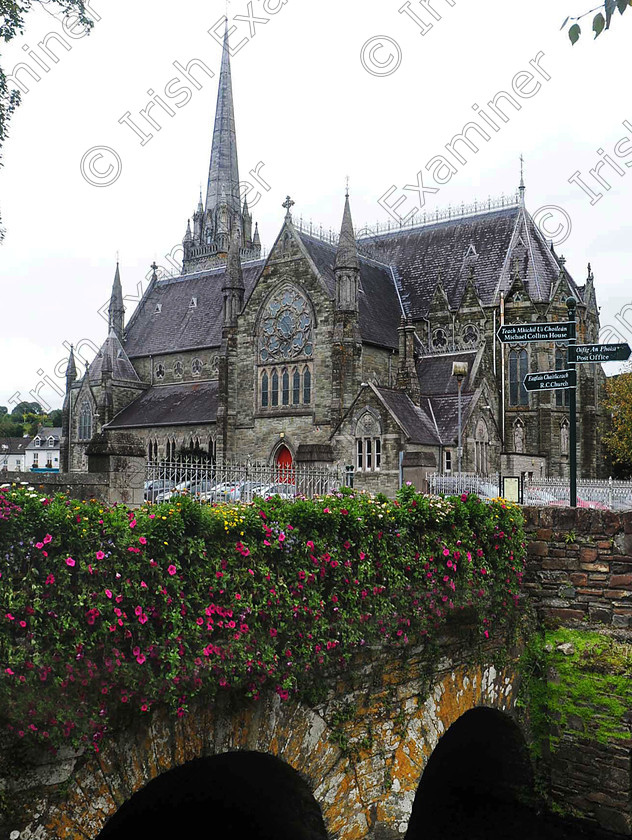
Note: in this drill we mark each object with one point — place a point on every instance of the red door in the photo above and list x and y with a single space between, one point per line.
284 462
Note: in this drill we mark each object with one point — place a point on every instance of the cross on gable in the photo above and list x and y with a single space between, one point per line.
288 204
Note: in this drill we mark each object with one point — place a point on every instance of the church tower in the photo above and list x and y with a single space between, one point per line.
347 341
206 246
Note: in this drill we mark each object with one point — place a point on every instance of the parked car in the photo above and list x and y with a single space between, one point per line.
285 491
154 488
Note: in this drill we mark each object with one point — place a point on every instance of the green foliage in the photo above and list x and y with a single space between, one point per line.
589 690
601 20
107 612
12 15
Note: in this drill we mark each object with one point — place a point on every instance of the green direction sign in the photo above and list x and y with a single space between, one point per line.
550 379
547 331
586 353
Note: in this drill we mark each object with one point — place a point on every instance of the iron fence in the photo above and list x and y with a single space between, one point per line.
604 494
486 486
237 482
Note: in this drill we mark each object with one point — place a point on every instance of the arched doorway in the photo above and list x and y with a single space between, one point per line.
478 783
241 795
284 465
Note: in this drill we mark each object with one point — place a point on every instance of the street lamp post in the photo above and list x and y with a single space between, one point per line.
459 371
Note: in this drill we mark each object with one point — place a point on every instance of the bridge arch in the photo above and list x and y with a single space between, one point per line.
363 771
236 794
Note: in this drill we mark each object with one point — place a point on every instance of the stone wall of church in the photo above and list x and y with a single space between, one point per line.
177 368
379 365
255 431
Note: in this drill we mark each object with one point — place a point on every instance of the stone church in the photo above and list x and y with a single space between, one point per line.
341 351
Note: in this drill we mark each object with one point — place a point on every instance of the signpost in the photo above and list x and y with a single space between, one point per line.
578 354
547 331
550 379
590 353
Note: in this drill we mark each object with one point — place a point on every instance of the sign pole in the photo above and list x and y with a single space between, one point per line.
571 305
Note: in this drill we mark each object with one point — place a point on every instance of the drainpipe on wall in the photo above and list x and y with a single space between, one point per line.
502 372
401 469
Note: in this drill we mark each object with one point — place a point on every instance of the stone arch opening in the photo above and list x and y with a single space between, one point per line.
477 783
241 795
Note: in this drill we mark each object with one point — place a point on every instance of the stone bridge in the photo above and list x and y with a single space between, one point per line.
347 769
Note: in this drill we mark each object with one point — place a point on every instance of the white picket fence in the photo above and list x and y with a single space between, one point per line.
237 482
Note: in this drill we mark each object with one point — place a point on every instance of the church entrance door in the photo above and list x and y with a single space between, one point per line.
284 465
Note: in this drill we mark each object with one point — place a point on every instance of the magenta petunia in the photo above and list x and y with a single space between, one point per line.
142 540
172 570
99 555
70 561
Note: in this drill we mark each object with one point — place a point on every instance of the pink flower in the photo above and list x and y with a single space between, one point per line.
446 552
140 659
143 619
172 570
39 545
281 537
50 579
132 524
99 555
310 544
48 538
108 593
70 561
152 515
142 540
362 555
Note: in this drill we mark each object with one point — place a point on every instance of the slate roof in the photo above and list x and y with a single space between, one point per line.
178 326
380 309
415 422
44 433
426 255
446 414
14 446
171 405
112 355
435 373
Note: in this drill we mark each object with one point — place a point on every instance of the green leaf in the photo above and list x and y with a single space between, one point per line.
622 5
574 32
610 6
599 23
565 22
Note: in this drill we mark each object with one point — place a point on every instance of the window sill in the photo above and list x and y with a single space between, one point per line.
285 411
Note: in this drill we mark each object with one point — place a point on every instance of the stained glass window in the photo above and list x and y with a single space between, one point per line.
286 327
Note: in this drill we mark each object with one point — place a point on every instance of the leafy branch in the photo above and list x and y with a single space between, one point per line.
601 20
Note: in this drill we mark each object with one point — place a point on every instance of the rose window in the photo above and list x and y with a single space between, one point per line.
286 328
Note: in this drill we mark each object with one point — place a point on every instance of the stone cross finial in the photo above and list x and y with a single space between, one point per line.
288 204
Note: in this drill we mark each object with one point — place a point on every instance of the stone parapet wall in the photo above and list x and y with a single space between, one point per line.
76 485
579 566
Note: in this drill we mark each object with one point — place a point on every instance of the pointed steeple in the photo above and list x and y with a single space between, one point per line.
188 236
71 368
224 170
256 239
347 253
116 311
346 266
521 188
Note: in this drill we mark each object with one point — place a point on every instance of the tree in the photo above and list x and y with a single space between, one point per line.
618 441
3 410
26 408
12 14
601 20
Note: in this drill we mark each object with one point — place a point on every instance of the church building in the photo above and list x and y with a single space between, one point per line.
342 351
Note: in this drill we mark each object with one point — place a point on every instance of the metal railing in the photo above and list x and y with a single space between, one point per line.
596 493
237 482
453 484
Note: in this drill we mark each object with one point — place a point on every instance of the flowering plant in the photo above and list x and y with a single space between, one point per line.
106 612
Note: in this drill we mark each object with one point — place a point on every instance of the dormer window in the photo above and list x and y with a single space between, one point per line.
178 369
160 371
37 441
193 304
196 367
158 309
51 441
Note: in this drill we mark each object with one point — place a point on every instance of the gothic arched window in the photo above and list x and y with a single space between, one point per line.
368 434
481 448
160 371
85 421
285 334
439 339
178 369
518 369
469 336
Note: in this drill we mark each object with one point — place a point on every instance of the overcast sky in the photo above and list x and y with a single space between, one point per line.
322 90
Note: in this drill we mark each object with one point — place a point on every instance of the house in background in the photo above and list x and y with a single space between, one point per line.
13 454
43 452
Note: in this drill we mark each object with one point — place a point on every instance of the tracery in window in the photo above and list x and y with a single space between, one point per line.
160 371
368 435
178 369
469 336
85 421
196 367
439 339
286 327
518 369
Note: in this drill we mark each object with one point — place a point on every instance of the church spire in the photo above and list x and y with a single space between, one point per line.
71 367
223 175
346 266
116 311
